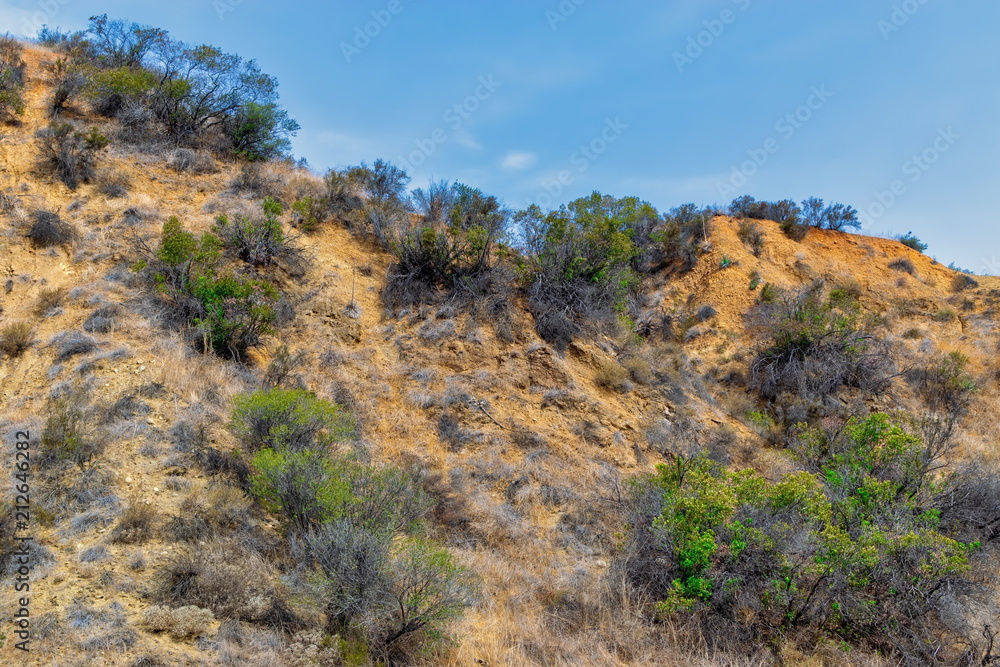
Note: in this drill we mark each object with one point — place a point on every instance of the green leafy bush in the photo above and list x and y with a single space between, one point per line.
310 212
292 419
233 312
850 548
579 263
307 486
260 131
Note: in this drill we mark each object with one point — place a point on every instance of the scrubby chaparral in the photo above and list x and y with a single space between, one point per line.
278 418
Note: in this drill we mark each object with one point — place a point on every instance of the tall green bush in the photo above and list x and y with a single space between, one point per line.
849 549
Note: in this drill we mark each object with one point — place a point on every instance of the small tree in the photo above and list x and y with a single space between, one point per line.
233 312
260 131
911 241
834 217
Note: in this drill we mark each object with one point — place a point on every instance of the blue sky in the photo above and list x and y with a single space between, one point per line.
889 106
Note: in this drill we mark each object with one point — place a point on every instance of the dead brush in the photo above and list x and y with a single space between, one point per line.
15 339
137 523
49 299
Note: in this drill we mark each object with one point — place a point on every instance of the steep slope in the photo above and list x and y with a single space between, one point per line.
527 443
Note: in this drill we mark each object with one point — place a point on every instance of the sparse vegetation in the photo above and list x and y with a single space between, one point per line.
261 242
812 346
12 68
70 153
49 299
752 235
825 487
786 213
112 183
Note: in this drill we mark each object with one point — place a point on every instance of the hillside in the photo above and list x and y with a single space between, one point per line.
525 448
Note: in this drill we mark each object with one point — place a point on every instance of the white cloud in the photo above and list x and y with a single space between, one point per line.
519 161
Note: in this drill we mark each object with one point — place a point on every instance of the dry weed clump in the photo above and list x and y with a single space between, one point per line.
137 523
48 229
15 339
612 376
181 623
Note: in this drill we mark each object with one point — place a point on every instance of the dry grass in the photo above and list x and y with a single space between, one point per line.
137 523
15 339
611 375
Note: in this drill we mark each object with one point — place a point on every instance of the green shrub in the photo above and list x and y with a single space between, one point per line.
769 294
579 263
238 313
293 419
850 549
260 131
233 312
911 241
261 242
110 90
307 486
310 212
